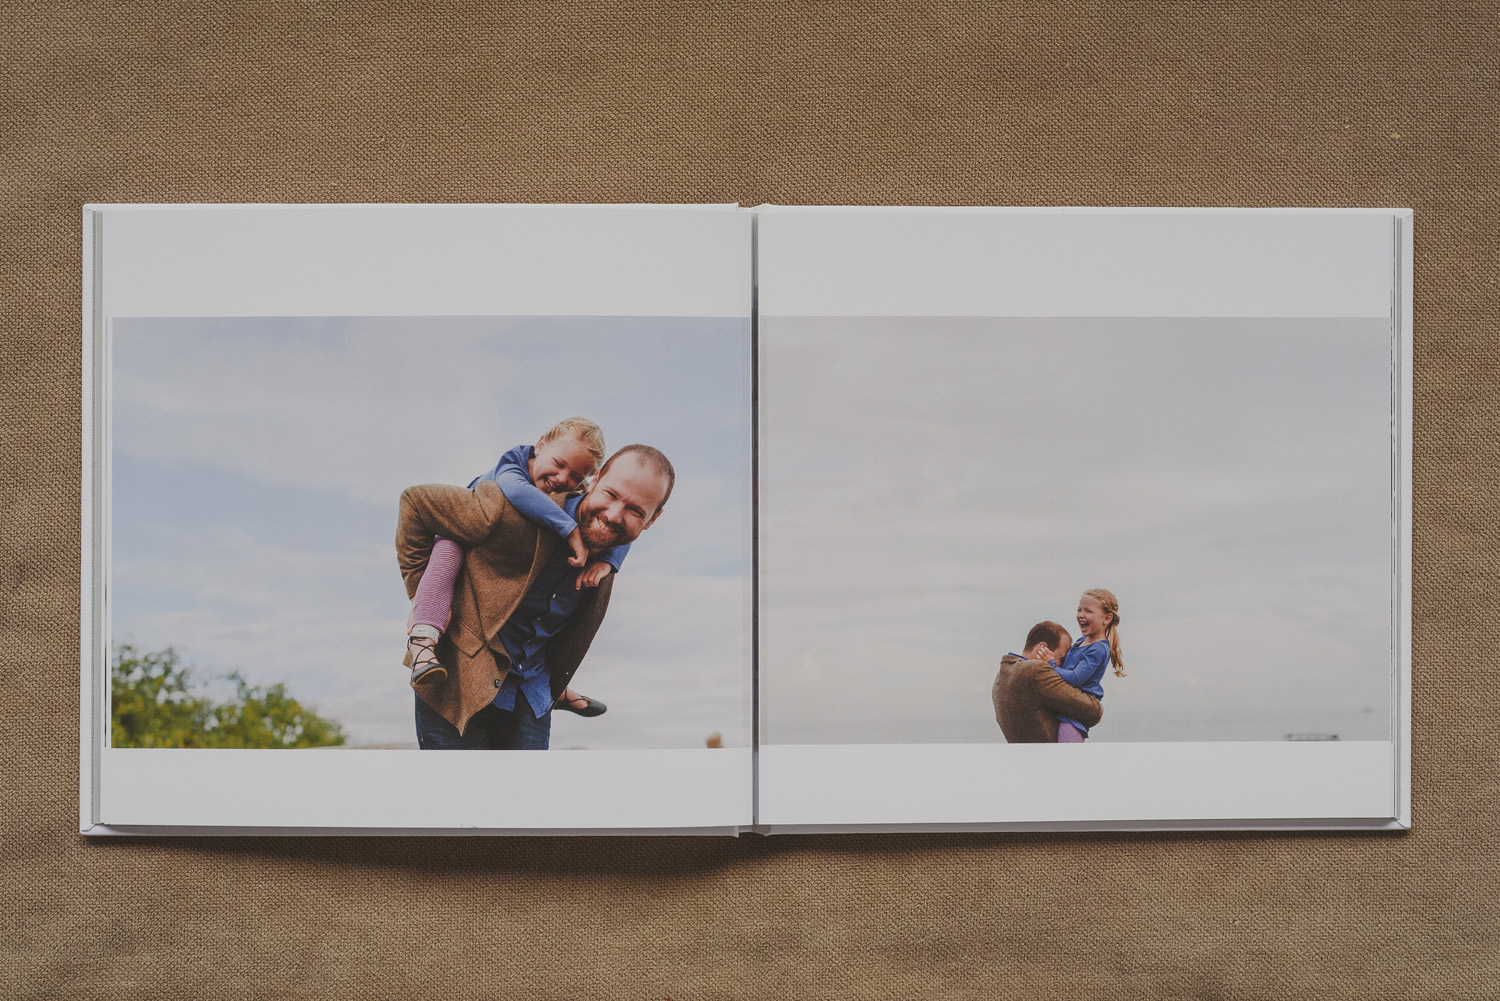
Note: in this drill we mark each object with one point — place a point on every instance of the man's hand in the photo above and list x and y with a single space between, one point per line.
593 575
580 551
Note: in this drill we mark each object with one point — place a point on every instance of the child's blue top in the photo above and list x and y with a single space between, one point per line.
1083 668
511 474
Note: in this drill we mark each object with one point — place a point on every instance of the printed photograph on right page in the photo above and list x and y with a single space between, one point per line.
1068 529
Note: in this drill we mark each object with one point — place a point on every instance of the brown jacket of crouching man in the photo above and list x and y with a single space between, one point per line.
1029 695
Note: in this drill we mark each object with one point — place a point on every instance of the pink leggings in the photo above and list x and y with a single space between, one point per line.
434 599
1067 733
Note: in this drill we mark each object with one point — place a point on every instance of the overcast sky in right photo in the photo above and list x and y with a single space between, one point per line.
931 488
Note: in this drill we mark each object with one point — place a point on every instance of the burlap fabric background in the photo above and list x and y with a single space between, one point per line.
926 103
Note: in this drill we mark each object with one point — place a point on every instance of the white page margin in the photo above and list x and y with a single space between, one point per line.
1073 262
1121 783
513 790
425 260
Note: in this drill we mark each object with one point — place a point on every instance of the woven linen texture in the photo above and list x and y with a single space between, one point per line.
1048 103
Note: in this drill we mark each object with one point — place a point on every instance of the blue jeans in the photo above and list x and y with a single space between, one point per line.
490 729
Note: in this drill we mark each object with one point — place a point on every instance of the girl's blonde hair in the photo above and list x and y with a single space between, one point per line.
1111 606
579 429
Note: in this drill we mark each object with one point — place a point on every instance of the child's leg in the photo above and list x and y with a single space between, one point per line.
1067 733
430 608
433 601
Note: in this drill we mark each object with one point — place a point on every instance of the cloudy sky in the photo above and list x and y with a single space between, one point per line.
931 488
256 466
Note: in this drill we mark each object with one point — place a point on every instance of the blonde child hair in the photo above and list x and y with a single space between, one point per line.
579 429
1111 606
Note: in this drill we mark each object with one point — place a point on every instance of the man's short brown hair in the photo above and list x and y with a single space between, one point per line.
1049 633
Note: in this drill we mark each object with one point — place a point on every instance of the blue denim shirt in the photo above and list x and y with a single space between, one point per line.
542 613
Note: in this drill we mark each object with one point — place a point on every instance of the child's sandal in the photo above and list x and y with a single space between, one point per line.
421 657
590 707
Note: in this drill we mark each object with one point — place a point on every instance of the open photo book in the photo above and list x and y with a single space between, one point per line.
705 519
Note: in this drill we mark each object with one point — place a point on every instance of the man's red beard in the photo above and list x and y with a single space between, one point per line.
598 533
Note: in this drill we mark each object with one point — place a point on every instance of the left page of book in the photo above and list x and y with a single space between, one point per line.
263 385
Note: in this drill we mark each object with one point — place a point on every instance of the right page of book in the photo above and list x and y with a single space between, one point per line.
1083 518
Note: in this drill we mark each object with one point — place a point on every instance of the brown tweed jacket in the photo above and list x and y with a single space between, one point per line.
503 553
1029 695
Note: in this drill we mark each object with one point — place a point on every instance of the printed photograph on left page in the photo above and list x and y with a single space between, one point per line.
445 532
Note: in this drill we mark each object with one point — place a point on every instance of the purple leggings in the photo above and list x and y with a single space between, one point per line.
1067 733
434 599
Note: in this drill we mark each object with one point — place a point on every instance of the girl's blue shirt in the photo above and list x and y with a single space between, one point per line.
1083 668
511 474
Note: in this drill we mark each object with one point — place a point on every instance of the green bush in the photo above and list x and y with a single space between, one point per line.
155 705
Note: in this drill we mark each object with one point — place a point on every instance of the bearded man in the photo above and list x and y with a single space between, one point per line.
520 624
